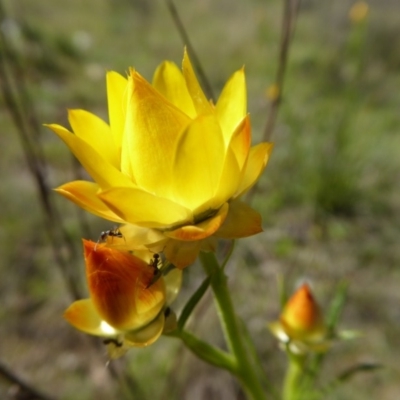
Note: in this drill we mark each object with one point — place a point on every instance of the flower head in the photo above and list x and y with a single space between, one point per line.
301 325
170 165
123 307
359 12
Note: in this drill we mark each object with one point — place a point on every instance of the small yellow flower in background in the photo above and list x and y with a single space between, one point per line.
171 165
273 92
301 325
122 307
358 12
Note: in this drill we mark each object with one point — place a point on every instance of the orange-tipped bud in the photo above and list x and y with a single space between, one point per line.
118 284
301 315
301 325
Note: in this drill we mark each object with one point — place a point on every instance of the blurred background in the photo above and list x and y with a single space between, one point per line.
330 196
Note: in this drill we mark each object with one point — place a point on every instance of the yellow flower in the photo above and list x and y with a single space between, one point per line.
123 307
171 164
301 325
358 12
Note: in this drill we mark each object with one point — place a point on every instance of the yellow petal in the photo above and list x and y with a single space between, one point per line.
153 126
202 229
173 283
182 254
199 159
116 97
200 101
169 81
94 131
147 335
104 173
242 221
241 141
229 180
137 238
142 208
84 194
118 285
256 163
232 104
82 315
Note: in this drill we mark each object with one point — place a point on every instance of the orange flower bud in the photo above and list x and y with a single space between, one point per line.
301 315
118 287
301 325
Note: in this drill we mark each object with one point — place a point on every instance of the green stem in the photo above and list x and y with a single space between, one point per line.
293 378
245 370
205 351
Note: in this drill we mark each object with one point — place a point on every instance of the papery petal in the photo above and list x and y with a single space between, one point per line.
232 104
229 180
118 287
84 194
104 173
202 229
173 283
142 208
200 101
116 97
169 81
182 254
198 162
241 141
147 335
256 163
94 131
152 129
137 238
242 221
82 315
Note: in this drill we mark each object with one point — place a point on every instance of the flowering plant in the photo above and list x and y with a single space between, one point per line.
171 165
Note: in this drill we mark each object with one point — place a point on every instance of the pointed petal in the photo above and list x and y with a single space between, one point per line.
241 141
116 97
198 163
136 238
153 126
256 163
84 194
82 315
98 168
200 101
147 335
173 283
118 287
232 104
201 230
142 208
182 254
229 180
169 81
242 221
94 131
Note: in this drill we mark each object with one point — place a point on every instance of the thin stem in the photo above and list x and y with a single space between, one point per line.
293 378
192 53
290 12
246 372
25 391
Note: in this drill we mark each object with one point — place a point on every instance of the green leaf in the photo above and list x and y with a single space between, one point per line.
191 304
207 352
